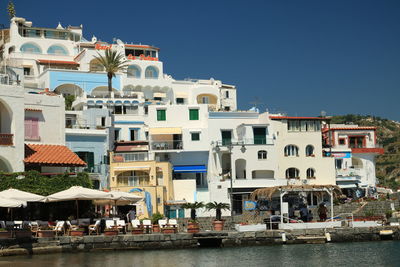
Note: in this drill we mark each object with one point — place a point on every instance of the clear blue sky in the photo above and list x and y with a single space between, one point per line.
298 56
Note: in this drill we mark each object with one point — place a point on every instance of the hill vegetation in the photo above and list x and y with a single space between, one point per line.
388 135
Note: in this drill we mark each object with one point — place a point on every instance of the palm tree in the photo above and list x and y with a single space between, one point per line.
112 62
193 207
217 207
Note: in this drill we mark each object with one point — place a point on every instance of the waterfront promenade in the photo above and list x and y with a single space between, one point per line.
61 244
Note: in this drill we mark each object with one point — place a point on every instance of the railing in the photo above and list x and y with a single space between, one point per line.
6 139
94 169
167 145
247 141
130 157
138 180
348 172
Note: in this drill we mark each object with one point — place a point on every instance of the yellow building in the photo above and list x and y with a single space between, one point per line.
135 172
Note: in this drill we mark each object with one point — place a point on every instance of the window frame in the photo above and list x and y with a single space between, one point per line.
161 114
310 171
193 114
262 155
296 173
192 134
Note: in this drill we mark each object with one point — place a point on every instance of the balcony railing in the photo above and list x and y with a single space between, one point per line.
167 145
247 141
348 172
130 157
139 180
6 139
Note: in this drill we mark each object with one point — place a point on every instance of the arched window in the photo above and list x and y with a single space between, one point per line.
31 48
309 151
310 173
95 65
133 71
291 151
57 50
262 154
151 72
292 173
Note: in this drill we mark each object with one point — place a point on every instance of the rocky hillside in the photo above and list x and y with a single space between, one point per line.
387 165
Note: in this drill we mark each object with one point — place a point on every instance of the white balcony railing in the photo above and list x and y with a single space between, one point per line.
348 172
167 145
130 157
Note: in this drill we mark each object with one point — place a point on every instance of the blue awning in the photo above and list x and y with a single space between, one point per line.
190 168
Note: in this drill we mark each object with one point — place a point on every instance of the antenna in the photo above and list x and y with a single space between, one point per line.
256 102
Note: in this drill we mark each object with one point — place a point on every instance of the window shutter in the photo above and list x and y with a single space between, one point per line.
35 128
28 128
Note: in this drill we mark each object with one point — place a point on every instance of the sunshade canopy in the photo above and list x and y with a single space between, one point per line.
78 193
11 203
120 199
21 195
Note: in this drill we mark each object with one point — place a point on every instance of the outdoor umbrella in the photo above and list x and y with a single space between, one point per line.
11 203
78 193
21 195
120 198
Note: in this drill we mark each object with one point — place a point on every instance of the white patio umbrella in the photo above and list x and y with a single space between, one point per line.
11 203
119 198
21 195
78 193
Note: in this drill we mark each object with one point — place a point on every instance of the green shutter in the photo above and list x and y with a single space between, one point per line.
193 114
161 115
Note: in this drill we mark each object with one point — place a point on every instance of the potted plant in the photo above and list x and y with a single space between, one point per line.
154 220
111 231
4 233
45 231
193 225
218 223
77 232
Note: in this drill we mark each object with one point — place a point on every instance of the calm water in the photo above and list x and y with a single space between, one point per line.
385 253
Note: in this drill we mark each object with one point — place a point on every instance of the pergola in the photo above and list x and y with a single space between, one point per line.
332 190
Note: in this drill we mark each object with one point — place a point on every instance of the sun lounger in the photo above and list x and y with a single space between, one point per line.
121 225
162 223
59 228
173 223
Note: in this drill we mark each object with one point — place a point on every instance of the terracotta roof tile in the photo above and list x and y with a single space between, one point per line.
53 155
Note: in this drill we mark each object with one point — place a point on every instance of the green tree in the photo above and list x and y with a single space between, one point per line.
218 207
11 9
113 62
193 207
69 99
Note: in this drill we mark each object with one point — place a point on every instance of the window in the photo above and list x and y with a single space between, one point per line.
205 100
356 141
291 151
226 137
146 110
95 65
103 121
57 50
180 101
31 48
339 163
87 157
116 134
134 134
342 141
201 180
310 173
195 136
227 108
309 151
226 94
292 173
133 71
32 129
194 114
161 115
151 72
304 125
27 71
262 154
293 125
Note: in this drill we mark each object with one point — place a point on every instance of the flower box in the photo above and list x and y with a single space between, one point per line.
46 233
5 234
168 230
112 232
77 233
23 234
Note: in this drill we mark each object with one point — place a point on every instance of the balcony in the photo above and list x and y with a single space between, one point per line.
352 174
6 139
167 145
246 141
129 157
138 180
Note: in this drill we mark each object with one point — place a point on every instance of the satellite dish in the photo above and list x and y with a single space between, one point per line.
119 42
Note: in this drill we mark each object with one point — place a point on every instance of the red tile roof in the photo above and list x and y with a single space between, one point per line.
46 61
51 155
354 128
